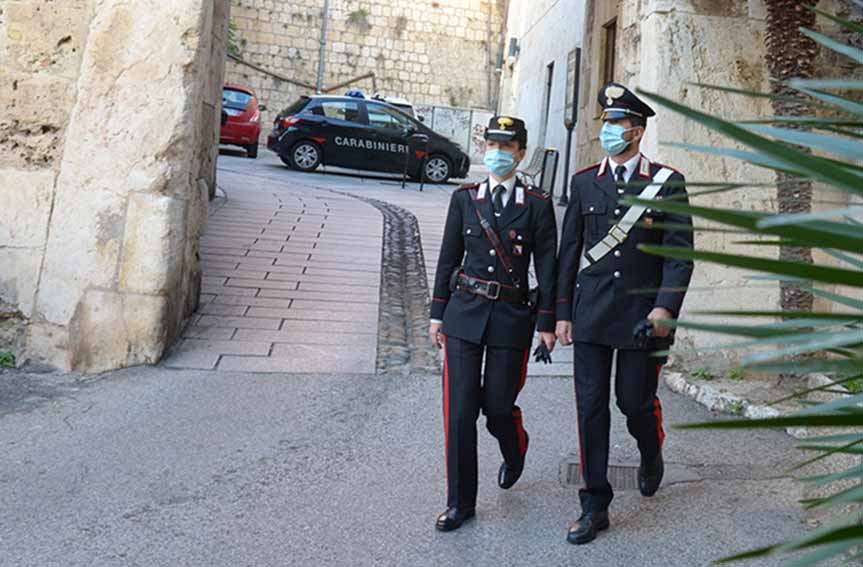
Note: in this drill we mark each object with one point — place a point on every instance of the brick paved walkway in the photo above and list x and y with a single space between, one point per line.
291 283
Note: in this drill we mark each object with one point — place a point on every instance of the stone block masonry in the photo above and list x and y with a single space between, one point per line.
431 52
107 157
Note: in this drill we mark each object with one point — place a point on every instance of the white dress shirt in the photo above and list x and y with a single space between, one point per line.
631 165
508 185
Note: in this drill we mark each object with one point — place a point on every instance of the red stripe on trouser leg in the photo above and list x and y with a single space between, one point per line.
657 411
516 412
445 406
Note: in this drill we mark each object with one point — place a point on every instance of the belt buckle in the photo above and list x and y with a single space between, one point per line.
618 239
496 294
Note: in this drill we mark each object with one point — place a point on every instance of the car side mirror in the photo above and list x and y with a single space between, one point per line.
262 107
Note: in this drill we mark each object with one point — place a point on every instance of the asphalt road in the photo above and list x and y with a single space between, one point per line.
156 467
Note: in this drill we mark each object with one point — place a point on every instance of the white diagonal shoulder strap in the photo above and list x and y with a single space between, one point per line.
620 231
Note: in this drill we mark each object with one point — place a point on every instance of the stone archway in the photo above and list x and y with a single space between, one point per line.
109 156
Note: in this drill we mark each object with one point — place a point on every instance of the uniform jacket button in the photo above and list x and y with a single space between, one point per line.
649 211
616 211
620 191
617 254
578 285
617 274
492 252
491 269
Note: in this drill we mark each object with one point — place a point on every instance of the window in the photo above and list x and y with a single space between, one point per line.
383 117
296 107
546 103
609 51
236 100
339 110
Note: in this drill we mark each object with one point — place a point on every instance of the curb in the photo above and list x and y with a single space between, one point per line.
716 399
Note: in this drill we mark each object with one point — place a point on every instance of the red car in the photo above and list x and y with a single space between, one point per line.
241 119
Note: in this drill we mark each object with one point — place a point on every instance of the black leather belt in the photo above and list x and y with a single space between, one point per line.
490 290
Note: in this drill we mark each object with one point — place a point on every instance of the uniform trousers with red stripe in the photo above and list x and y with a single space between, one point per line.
467 389
635 384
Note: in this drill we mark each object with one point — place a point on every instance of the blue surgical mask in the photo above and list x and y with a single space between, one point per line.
499 162
611 138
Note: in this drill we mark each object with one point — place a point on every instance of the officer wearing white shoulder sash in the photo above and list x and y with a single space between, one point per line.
599 305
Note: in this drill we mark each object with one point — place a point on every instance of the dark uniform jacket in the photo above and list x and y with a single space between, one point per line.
527 227
599 300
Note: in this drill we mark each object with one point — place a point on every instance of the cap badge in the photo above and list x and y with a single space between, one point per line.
612 93
504 121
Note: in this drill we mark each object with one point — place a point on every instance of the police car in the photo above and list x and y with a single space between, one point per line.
360 133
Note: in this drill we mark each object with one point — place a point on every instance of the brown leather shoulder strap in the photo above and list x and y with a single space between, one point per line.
492 235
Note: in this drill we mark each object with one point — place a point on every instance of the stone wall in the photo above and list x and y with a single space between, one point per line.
107 156
431 52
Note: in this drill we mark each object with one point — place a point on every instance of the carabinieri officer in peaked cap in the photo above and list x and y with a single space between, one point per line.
481 308
601 299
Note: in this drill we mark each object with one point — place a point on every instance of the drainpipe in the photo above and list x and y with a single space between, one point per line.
325 16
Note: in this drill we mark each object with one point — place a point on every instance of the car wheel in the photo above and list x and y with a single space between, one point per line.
305 156
438 169
252 151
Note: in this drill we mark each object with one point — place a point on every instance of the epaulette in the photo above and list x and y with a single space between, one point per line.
657 164
588 168
536 192
468 186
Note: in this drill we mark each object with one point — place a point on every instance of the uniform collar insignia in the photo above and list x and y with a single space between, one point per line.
602 166
644 166
519 195
483 187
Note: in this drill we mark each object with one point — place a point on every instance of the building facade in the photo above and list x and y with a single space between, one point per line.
541 34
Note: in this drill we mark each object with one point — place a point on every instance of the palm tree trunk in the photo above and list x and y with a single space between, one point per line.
791 54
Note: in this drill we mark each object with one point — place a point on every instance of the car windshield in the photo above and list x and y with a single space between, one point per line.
407 109
236 100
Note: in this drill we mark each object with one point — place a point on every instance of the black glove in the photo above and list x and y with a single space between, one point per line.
541 353
642 333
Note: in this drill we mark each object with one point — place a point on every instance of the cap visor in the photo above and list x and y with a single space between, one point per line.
615 115
500 137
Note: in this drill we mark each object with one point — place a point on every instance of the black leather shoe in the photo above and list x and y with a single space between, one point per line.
507 476
584 530
650 476
453 518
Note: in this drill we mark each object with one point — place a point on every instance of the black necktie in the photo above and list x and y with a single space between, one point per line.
498 198
619 172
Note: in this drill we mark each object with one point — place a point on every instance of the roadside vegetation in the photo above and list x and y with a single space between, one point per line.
812 254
